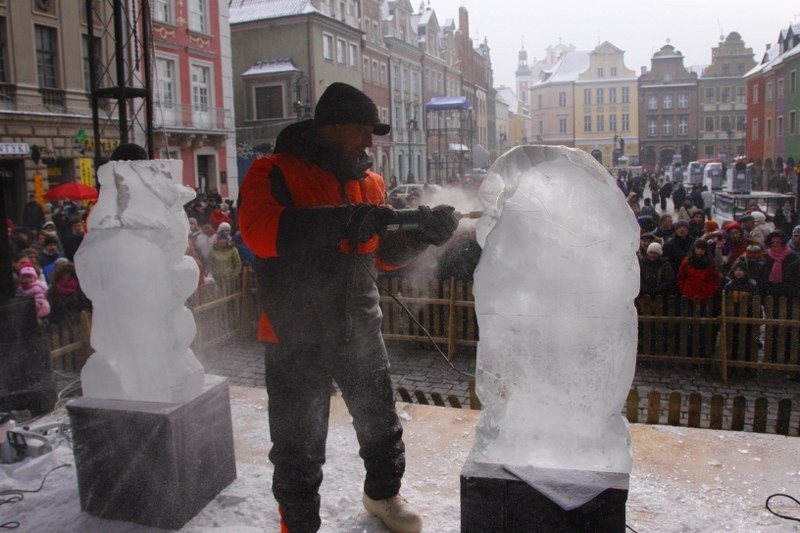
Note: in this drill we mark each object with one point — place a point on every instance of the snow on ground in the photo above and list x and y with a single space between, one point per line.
684 480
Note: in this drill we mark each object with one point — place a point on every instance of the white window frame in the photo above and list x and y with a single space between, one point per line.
683 101
587 123
652 127
163 11
587 97
626 95
626 122
601 123
353 54
667 127
327 46
174 92
683 127
667 102
652 102
198 16
341 51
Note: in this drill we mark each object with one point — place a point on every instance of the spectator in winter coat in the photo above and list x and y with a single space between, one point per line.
780 275
678 197
761 229
29 285
204 242
738 244
697 223
73 239
224 261
718 247
64 294
785 218
633 203
753 260
698 276
664 193
677 248
665 228
739 286
49 254
794 242
655 273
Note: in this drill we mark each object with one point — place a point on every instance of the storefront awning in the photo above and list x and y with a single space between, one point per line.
448 102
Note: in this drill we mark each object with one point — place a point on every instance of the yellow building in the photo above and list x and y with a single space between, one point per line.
606 107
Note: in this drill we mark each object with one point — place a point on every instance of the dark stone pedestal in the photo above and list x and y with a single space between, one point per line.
493 501
26 378
155 464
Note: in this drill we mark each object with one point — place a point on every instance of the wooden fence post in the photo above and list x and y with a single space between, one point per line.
723 341
451 322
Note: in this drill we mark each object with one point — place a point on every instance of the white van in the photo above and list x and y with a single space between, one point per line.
713 177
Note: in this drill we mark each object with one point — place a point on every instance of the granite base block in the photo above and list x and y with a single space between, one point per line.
154 464
26 377
495 501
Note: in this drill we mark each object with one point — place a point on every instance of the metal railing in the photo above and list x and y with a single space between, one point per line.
191 116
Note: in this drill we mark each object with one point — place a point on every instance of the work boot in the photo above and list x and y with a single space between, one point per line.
395 513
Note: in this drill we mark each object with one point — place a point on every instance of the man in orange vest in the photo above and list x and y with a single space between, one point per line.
313 214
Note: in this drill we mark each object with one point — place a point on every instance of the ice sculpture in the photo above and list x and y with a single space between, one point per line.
132 266
554 294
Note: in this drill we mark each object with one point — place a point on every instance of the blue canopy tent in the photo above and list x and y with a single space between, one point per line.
450 121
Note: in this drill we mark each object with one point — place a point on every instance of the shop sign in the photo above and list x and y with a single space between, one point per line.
14 148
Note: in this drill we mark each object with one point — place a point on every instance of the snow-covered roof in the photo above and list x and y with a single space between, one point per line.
252 10
508 96
768 60
271 66
568 68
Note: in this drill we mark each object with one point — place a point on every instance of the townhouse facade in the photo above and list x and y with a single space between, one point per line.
668 95
606 104
45 104
46 122
773 112
193 92
401 57
723 101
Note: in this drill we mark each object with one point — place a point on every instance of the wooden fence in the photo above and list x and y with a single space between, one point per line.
720 335
222 311
677 408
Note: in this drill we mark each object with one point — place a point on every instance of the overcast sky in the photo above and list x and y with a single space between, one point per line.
639 27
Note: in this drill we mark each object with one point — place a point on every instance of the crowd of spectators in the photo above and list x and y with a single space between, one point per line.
42 251
686 252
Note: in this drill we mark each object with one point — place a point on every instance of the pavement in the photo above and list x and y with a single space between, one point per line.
423 372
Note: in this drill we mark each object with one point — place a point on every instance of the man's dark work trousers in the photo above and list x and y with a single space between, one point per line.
299 388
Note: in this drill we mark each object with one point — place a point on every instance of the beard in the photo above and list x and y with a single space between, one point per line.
346 167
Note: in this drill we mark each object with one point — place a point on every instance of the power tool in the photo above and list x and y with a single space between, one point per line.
408 219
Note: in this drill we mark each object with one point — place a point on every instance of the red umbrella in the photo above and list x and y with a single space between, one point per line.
71 191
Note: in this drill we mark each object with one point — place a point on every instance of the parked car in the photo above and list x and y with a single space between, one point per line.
412 194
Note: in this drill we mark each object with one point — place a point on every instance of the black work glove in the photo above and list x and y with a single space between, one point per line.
366 220
437 225
309 228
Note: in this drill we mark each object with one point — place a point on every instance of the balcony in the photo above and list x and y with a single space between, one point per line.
8 96
54 99
190 117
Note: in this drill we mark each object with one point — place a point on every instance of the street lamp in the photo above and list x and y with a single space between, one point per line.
411 125
302 110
